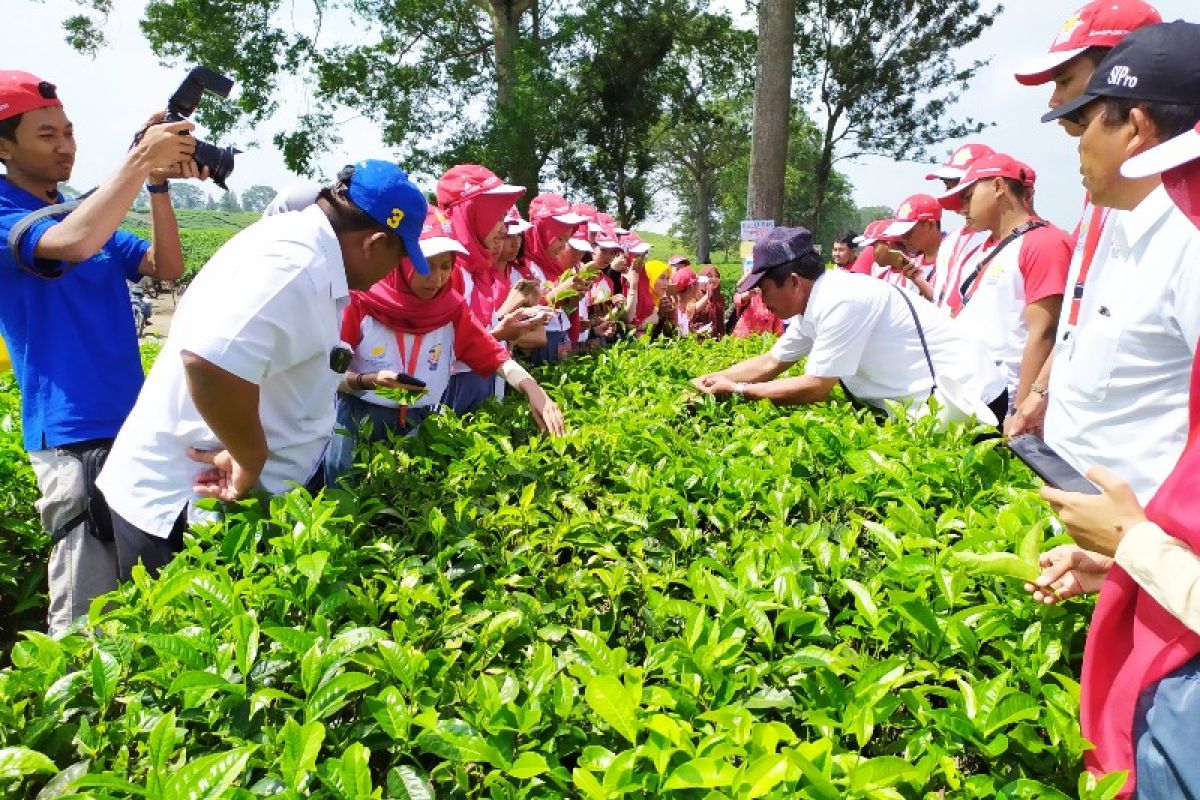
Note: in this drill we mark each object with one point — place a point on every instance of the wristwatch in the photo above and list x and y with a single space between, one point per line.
1042 390
158 188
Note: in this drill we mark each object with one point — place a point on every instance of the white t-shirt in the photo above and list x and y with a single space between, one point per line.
293 197
1119 386
1029 269
426 356
959 249
266 308
860 330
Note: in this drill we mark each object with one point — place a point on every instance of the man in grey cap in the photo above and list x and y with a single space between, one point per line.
863 333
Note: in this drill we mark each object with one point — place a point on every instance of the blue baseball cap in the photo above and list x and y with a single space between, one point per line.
384 193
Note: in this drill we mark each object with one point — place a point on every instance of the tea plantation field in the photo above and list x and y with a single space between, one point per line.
680 599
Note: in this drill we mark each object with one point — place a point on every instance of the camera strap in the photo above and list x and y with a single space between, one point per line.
22 226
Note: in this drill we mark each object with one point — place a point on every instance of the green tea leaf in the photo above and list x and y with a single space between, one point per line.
701 773
301 746
528 765
1006 565
614 704
18 761
209 776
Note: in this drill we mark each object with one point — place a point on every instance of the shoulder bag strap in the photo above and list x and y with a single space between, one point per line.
920 332
1016 233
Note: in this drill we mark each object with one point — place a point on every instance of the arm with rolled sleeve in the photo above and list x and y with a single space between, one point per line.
1166 568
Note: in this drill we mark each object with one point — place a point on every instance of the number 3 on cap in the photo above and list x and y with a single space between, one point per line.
395 219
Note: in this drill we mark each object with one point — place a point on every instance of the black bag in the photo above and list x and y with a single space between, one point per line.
95 515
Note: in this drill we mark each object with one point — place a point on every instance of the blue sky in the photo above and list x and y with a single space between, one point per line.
110 96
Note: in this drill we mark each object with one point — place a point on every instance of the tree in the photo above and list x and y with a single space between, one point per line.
229 202
256 198
708 126
185 195
884 76
211 203
772 109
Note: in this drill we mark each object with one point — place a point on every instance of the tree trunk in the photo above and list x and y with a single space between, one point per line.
772 109
824 171
523 166
703 219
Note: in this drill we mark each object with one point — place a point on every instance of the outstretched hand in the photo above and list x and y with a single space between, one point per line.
225 479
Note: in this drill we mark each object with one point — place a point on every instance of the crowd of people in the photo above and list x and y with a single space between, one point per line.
358 309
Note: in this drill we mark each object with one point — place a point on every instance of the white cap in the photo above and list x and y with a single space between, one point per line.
437 245
1158 159
517 227
608 244
569 219
641 249
580 244
621 231
595 227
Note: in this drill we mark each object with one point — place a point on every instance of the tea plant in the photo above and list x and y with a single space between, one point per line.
681 598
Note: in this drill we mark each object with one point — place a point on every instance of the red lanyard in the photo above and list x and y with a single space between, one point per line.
410 366
1090 245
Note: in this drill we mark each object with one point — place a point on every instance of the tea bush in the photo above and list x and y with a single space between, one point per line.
680 599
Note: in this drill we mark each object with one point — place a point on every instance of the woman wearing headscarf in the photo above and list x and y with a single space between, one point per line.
476 202
708 313
552 224
663 319
417 325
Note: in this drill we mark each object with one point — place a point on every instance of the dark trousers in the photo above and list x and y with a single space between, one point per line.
154 552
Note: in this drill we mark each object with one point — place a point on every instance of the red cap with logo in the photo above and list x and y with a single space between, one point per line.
960 161
466 181
684 278
21 92
553 205
997 165
877 231
918 208
1101 23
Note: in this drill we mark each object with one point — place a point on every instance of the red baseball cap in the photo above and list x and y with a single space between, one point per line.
21 92
545 206
634 245
877 231
960 161
917 208
997 165
465 181
1100 23
684 278
437 235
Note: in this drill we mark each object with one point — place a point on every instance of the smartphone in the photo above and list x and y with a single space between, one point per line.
1049 465
896 259
406 380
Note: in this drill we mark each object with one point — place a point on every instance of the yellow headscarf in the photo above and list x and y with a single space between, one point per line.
654 270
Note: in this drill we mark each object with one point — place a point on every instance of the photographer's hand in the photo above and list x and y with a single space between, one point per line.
161 147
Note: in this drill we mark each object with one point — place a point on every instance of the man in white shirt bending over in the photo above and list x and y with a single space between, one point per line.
880 342
241 397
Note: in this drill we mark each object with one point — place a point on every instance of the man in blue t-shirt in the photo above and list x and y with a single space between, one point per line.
66 316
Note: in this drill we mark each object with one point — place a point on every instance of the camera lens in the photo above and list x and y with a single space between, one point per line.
219 161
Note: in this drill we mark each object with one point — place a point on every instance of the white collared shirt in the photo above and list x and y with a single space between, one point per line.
1119 385
266 308
860 330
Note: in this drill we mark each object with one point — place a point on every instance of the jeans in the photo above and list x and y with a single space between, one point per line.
1166 726
352 413
467 391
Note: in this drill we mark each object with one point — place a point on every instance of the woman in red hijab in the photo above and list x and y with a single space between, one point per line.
552 223
477 201
417 325
708 312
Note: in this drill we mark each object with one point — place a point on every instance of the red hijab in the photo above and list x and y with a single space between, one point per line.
1134 642
551 216
393 302
476 200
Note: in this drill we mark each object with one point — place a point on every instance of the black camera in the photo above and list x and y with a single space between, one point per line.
182 105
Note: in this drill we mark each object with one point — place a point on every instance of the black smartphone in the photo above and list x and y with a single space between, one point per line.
1049 465
408 380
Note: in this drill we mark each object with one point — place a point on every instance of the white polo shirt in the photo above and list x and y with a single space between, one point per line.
860 330
958 249
1119 386
267 308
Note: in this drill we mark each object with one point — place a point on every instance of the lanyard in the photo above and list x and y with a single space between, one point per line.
1090 245
410 365
955 264
971 284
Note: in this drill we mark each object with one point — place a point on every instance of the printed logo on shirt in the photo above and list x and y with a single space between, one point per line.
378 351
435 356
1121 76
